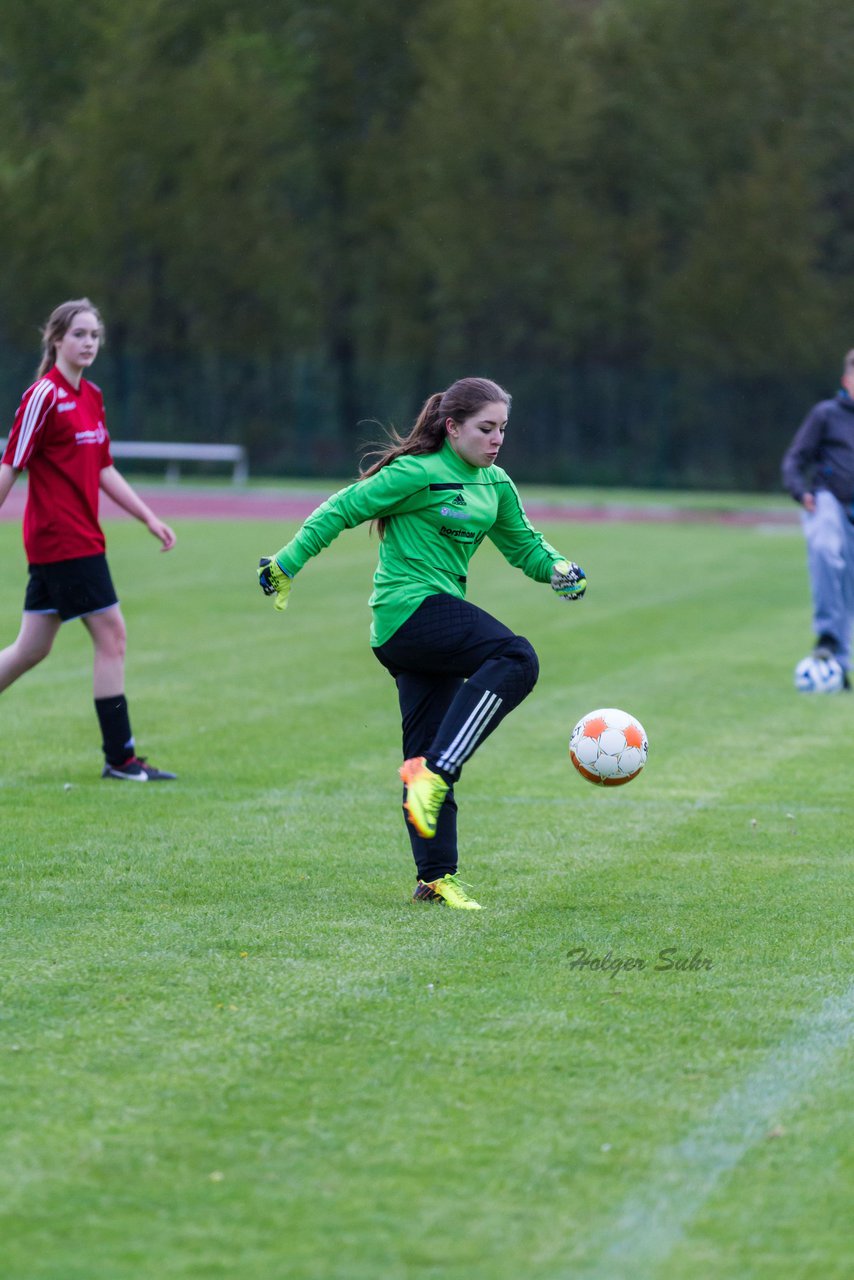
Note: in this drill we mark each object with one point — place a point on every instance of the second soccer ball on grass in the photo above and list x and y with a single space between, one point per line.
608 747
819 674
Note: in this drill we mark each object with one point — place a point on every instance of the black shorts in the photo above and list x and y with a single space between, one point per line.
445 636
71 588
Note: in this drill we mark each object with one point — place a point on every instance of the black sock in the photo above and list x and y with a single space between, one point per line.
115 728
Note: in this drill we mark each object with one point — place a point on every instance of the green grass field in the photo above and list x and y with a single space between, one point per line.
231 1047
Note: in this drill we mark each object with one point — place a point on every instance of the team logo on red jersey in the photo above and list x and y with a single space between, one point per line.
98 436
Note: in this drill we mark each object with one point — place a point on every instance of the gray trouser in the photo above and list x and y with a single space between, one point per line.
830 556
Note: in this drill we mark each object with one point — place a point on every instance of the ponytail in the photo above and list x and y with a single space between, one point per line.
427 436
462 399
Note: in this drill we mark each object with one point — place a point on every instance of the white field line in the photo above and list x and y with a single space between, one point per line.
648 1226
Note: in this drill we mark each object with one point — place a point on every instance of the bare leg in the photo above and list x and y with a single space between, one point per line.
109 637
34 642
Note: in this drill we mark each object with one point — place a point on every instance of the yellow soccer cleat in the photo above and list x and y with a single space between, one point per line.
449 890
425 795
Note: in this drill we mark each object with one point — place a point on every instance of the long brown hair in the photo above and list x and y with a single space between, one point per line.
57 325
460 401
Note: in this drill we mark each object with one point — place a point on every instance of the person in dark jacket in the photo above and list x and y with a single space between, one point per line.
818 471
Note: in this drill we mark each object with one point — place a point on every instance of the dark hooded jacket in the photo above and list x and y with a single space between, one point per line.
821 455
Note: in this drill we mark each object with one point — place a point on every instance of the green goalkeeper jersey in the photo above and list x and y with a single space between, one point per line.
438 510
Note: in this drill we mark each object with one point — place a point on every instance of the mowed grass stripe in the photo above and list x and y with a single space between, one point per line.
230 1044
647 1228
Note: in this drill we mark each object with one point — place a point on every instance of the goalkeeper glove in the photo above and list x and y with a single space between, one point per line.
274 580
568 580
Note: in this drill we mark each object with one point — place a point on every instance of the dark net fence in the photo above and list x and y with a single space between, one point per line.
590 424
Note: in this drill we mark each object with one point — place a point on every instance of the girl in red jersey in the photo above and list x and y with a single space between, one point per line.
60 437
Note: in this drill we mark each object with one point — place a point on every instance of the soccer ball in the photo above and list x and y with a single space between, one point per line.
819 675
608 747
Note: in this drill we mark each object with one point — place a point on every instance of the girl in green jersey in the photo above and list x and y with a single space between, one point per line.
434 495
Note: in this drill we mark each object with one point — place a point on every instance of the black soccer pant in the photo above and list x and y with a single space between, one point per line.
458 671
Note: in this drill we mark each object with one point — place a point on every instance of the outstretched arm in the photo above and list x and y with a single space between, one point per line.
8 476
527 549
116 487
389 489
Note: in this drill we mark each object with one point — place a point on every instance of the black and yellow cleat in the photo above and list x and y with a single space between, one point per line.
448 890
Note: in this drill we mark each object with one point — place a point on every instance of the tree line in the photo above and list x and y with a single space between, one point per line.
299 219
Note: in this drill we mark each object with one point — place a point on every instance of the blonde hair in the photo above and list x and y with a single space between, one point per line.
57 325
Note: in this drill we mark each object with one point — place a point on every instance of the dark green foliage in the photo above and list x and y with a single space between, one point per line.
297 217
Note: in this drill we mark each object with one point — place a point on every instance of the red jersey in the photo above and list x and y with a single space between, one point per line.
59 435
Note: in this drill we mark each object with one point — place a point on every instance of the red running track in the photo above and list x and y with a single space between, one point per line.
177 503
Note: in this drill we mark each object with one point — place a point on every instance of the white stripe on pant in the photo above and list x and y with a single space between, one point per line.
471 732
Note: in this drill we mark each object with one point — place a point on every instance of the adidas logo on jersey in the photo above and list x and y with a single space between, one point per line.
458 501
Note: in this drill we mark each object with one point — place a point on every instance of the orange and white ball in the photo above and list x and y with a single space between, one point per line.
608 747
